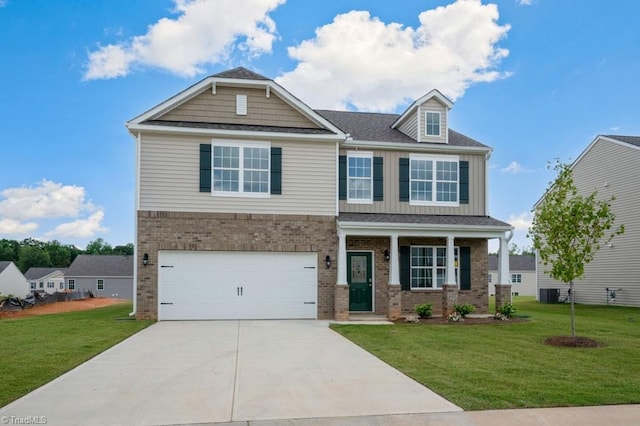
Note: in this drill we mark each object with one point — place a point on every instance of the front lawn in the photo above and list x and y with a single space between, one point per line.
497 366
36 349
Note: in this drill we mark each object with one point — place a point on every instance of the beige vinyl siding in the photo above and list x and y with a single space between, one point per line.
433 105
391 203
221 108
618 266
169 179
410 126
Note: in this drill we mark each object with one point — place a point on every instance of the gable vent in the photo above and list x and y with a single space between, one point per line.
241 104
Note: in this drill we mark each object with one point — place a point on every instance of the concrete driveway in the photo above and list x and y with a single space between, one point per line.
226 371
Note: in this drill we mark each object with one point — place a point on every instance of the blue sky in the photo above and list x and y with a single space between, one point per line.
534 79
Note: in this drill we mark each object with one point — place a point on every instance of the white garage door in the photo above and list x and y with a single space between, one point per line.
236 285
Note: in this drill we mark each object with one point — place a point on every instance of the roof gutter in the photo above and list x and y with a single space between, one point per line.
415 147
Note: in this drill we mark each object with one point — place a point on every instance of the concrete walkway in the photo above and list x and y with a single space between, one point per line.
227 371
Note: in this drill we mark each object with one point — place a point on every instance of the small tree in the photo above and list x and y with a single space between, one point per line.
568 229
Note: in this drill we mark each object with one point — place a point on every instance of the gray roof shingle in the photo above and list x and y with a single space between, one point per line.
517 262
87 265
376 127
240 73
632 140
422 219
4 264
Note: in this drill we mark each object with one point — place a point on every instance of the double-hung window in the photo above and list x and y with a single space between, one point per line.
240 169
360 177
100 284
72 284
516 278
434 180
429 267
432 123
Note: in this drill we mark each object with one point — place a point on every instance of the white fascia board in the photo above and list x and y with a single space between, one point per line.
422 230
205 84
415 147
435 93
231 133
586 151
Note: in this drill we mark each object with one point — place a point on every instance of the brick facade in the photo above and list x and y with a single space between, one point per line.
161 230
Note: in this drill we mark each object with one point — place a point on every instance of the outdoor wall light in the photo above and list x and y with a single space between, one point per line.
386 255
327 261
145 259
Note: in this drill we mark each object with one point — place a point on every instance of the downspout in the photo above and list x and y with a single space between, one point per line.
136 205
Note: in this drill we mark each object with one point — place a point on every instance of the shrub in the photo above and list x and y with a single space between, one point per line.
507 310
455 317
464 310
424 310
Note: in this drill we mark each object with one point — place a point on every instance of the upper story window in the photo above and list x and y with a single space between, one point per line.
432 123
240 169
360 177
433 180
72 284
516 278
429 267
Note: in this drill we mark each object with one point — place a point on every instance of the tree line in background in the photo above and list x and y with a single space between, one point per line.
29 252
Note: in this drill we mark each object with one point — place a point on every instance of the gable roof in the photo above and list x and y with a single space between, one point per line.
435 93
93 265
632 140
517 262
4 264
377 127
237 77
34 272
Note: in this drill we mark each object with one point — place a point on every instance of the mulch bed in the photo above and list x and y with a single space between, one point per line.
572 342
437 320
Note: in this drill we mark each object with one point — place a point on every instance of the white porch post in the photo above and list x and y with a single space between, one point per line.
451 267
394 261
503 267
342 258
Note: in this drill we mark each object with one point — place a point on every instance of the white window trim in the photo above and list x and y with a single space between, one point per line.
434 267
241 104
71 284
514 279
241 146
426 134
434 159
360 154
98 284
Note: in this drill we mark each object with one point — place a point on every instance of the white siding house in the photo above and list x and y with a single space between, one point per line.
12 282
609 165
522 274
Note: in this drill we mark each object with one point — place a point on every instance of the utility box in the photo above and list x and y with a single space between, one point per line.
549 295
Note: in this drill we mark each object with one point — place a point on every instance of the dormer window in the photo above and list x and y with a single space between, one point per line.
432 123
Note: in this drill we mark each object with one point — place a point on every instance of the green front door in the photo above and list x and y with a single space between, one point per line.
360 283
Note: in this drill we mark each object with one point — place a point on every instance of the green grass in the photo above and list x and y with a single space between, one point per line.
498 366
37 349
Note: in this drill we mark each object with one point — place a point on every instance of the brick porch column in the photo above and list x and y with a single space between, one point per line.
503 295
395 302
449 299
341 302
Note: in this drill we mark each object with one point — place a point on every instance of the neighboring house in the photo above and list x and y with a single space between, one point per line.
250 204
12 282
103 275
46 280
609 165
522 269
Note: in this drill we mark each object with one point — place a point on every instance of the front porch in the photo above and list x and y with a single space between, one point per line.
386 266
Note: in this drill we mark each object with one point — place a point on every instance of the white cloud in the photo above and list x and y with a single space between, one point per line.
14 227
521 221
359 61
525 2
513 168
204 32
81 228
22 208
48 200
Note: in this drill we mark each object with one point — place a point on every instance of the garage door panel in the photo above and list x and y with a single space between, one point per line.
237 285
